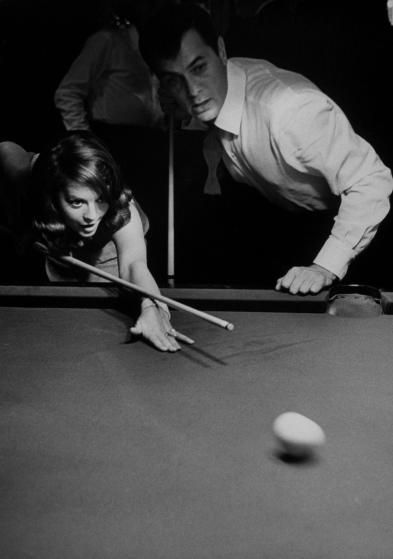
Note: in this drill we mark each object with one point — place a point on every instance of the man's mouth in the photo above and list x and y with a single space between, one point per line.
198 108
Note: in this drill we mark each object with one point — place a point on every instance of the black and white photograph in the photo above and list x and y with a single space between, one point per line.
196 235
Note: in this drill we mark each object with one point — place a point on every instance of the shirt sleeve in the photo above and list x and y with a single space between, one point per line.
72 95
317 138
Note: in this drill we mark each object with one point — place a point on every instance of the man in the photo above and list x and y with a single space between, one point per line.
278 133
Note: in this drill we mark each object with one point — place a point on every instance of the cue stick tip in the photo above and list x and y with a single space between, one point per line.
229 326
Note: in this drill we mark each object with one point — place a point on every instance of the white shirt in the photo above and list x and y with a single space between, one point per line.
282 135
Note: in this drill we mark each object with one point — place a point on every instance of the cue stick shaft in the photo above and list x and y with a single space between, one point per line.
170 302
171 203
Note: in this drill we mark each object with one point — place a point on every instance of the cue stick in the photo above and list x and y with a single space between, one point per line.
171 204
170 302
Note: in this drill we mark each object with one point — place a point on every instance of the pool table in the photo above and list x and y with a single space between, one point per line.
110 449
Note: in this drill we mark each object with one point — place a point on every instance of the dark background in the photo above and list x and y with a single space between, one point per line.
344 46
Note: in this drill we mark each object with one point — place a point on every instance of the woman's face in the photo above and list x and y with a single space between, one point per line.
82 209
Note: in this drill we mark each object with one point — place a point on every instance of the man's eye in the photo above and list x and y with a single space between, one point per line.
171 82
199 69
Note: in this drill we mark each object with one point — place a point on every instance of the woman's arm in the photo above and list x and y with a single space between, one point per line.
153 322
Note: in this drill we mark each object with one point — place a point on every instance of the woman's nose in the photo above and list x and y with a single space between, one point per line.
91 213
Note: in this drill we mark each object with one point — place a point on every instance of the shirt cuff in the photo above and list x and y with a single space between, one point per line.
335 256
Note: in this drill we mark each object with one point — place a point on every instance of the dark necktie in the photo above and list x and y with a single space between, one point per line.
212 152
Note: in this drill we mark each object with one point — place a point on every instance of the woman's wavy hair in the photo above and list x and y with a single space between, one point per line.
78 158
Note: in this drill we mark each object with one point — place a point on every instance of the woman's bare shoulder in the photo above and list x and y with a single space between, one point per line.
15 160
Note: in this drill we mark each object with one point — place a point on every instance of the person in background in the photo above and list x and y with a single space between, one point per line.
280 134
109 82
74 196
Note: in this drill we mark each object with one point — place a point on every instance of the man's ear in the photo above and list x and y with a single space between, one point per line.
222 53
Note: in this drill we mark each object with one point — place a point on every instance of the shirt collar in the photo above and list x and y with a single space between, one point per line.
230 115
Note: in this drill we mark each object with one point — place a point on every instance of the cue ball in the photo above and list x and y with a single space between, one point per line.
297 435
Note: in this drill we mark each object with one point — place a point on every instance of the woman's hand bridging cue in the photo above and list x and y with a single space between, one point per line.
154 325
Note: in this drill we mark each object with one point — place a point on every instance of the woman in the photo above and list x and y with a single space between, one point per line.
78 204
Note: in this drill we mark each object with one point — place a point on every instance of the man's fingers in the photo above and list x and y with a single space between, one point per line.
286 281
307 282
304 280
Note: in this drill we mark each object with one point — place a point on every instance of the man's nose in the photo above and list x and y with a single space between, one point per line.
193 87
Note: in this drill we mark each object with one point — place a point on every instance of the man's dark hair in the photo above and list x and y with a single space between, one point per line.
161 37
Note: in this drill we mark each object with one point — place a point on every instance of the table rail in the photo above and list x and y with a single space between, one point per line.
207 297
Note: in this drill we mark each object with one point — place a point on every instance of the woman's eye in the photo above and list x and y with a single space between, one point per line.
100 200
75 203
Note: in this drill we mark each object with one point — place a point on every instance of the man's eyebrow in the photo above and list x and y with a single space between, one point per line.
164 73
196 60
